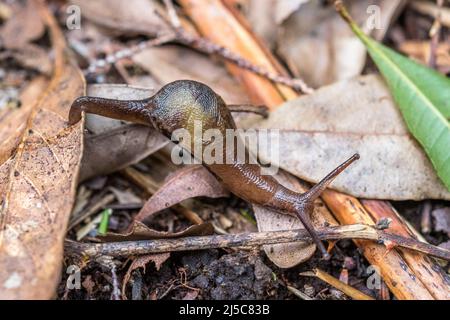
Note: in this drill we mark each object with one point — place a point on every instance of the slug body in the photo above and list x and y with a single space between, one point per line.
184 104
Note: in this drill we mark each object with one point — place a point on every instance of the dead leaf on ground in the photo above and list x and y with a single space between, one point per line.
172 63
288 255
13 121
420 51
442 220
265 16
140 262
320 131
31 56
318 46
38 182
131 16
111 145
140 231
188 182
24 26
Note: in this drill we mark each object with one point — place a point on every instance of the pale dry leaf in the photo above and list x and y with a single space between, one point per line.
319 47
442 219
288 255
38 184
131 16
111 145
319 131
284 8
265 16
172 63
185 183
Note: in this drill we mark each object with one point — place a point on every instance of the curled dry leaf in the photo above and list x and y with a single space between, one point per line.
287 255
188 182
320 130
319 47
111 145
140 231
131 16
140 262
38 182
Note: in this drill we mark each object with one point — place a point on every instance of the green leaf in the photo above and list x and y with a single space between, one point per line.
422 94
103 227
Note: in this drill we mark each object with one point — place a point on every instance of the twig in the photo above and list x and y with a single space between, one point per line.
206 46
356 231
425 220
180 35
112 58
353 293
434 34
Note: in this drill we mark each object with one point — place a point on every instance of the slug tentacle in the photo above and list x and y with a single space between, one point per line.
129 110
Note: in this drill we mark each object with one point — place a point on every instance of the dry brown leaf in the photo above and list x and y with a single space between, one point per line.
188 182
172 63
319 47
37 184
131 16
140 231
420 50
25 25
111 145
13 121
288 255
319 131
32 56
140 262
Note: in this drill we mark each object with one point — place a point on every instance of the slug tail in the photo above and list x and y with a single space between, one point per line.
306 204
317 189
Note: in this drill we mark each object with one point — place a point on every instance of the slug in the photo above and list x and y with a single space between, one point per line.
181 104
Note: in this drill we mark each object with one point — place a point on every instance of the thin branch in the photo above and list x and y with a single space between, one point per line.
100 64
356 231
180 35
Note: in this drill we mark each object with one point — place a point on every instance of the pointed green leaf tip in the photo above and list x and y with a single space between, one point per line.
422 94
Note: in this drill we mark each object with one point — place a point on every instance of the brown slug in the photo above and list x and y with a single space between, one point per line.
179 105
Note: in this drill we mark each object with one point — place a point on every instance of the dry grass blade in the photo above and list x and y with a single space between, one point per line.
353 293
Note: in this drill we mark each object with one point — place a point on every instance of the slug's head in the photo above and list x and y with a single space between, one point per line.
183 103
